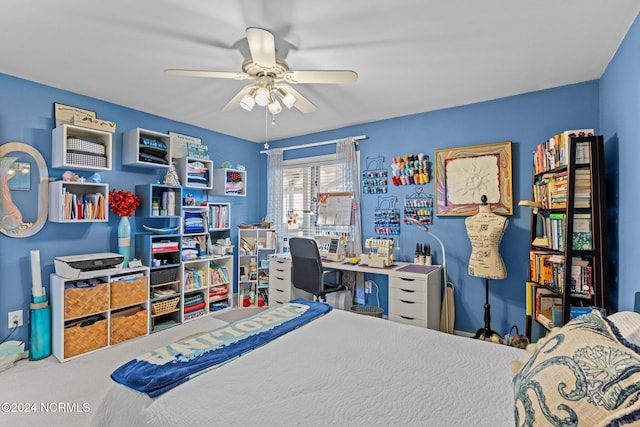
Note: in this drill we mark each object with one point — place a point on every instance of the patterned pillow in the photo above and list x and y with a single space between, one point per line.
581 374
628 324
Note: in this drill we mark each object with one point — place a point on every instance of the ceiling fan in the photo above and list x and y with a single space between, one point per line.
271 77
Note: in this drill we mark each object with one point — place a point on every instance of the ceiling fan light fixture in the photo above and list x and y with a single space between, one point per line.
247 102
262 97
274 107
287 99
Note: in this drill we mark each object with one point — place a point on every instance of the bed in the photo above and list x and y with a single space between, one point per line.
345 369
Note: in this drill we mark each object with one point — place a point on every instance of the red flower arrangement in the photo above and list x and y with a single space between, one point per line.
123 203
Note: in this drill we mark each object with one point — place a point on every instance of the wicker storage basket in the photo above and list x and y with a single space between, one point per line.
129 293
83 301
126 327
78 340
164 306
165 275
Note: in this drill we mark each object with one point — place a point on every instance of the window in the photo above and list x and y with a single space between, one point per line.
303 179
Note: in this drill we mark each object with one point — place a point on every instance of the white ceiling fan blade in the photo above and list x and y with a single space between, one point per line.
262 46
209 74
302 103
321 76
235 101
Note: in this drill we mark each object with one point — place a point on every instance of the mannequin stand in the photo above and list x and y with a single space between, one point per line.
486 334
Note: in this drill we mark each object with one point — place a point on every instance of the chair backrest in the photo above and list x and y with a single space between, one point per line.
306 265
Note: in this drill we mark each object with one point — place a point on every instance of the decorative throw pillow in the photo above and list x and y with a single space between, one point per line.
580 374
628 324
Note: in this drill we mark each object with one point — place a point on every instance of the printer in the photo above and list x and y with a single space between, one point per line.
88 265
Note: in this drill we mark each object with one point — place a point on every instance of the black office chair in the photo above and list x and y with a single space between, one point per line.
307 273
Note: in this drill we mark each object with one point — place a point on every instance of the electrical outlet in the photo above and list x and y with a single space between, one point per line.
15 319
367 287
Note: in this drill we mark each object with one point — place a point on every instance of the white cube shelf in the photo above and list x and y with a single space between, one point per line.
71 201
229 182
133 156
75 147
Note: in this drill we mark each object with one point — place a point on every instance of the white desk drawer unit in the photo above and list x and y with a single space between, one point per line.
415 301
281 289
279 280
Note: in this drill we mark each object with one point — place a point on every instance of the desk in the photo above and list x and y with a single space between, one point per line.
414 290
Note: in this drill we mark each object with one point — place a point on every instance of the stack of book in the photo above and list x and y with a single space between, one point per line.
164 246
581 278
553 153
582 189
582 238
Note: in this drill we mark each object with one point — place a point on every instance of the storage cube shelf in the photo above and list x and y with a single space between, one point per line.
194 173
229 182
219 216
99 311
146 149
159 201
71 201
255 245
75 147
188 280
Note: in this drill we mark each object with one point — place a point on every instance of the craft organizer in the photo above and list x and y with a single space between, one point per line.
419 206
411 169
374 178
387 217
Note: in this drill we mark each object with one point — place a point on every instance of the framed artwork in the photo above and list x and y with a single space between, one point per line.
464 174
65 113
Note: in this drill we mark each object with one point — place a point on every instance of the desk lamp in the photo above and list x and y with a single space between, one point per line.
424 227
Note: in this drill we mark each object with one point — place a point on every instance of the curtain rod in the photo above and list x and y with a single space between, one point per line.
315 144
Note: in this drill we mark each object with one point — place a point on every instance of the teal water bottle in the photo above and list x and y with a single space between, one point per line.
40 335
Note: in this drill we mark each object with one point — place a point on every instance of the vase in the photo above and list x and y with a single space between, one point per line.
124 239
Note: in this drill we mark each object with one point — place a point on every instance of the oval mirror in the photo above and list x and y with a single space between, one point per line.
21 185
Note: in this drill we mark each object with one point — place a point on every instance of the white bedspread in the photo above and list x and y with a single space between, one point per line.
341 369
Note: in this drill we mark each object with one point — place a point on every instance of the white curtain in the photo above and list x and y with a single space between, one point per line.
275 194
349 181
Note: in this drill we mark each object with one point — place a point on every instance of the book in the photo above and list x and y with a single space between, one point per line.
582 238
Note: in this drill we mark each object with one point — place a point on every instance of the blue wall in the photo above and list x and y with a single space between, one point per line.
620 124
26 115
526 120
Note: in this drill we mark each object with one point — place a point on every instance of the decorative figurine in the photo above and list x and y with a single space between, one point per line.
171 178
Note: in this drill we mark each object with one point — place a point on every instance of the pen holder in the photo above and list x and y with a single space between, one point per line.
40 336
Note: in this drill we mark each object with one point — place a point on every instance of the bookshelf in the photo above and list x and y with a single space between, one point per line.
567 247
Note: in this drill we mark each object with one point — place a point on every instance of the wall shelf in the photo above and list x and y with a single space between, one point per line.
146 149
229 182
75 147
74 202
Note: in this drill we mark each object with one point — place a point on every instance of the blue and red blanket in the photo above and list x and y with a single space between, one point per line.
162 369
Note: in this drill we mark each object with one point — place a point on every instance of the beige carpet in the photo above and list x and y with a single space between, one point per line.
51 394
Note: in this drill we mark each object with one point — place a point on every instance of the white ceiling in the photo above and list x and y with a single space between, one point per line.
411 56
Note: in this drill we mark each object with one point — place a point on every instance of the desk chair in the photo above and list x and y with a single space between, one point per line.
307 273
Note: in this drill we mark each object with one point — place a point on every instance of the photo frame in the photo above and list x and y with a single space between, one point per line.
464 174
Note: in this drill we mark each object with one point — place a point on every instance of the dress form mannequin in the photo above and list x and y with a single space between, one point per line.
485 230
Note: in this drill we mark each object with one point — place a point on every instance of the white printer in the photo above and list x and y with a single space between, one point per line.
88 265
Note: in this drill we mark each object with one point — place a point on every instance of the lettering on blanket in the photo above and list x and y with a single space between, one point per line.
191 348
